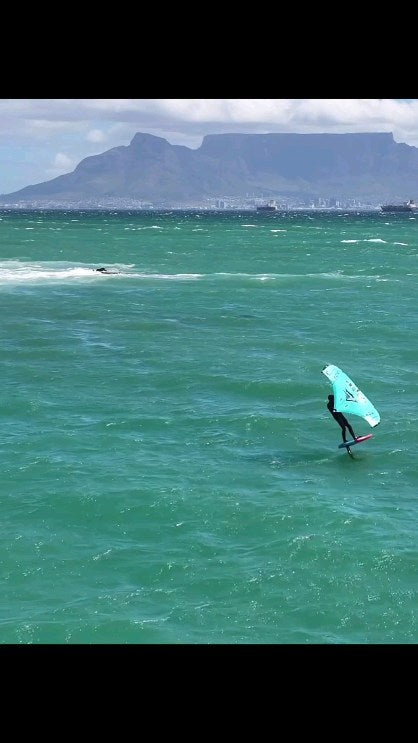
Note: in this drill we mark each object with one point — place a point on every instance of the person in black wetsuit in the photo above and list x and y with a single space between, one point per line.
341 420
102 270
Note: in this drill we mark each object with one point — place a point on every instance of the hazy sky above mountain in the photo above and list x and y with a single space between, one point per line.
43 138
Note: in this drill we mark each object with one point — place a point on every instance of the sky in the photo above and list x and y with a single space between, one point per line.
43 138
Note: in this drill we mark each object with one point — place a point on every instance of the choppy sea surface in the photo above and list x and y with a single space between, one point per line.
170 473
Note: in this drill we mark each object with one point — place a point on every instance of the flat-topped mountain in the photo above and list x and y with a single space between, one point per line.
372 167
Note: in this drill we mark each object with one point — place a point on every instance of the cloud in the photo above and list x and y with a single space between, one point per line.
61 164
62 161
92 119
96 135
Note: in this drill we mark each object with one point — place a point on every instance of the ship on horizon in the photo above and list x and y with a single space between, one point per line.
267 208
407 206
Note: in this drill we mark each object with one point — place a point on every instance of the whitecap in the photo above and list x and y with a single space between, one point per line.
19 272
168 276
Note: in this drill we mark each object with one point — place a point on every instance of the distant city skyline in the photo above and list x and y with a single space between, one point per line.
43 138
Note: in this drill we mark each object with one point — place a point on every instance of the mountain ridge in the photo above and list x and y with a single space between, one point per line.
370 166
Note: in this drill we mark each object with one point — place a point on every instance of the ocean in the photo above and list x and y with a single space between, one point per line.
170 471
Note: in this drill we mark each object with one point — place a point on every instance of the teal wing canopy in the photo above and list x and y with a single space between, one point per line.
348 398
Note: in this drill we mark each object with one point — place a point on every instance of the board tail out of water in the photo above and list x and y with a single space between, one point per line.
358 440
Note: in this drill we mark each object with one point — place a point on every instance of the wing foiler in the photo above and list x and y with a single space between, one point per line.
348 398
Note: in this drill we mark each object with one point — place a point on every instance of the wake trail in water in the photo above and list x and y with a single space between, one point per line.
32 272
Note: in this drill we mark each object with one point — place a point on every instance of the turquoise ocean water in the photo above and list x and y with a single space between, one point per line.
169 470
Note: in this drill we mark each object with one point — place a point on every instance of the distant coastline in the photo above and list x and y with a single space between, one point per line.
164 209
235 171
210 204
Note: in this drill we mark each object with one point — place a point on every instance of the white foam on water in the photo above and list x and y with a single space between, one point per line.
31 272
12 272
